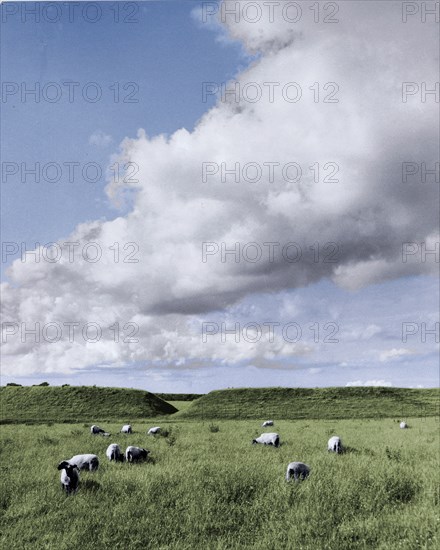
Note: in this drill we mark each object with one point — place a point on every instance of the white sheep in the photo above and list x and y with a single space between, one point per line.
113 452
69 476
403 425
126 429
154 431
85 462
134 454
267 423
268 439
95 430
297 470
335 444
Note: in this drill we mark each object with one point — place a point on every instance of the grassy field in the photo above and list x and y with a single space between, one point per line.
295 403
78 403
89 404
212 489
180 405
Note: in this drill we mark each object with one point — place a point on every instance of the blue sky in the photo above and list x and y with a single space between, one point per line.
167 55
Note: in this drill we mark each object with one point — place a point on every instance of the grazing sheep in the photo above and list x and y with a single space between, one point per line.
113 452
95 430
154 431
134 454
335 444
403 425
69 477
297 470
267 423
268 439
126 429
85 462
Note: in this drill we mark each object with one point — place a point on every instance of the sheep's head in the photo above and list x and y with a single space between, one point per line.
64 465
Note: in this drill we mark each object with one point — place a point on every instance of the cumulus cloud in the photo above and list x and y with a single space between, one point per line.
366 215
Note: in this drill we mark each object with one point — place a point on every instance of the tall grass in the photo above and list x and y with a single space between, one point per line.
215 490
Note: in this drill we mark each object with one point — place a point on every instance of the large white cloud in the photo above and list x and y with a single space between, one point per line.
369 213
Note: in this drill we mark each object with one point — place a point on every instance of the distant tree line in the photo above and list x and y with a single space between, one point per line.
42 384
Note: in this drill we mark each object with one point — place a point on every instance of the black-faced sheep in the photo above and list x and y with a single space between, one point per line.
69 476
126 429
267 423
96 430
135 454
154 431
268 439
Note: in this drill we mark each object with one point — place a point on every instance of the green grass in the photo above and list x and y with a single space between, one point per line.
214 490
179 396
180 405
78 403
295 403
87 404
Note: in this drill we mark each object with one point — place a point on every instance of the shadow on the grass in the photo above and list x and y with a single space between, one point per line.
90 485
351 450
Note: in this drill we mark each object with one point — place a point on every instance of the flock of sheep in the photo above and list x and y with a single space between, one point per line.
296 470
70 468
